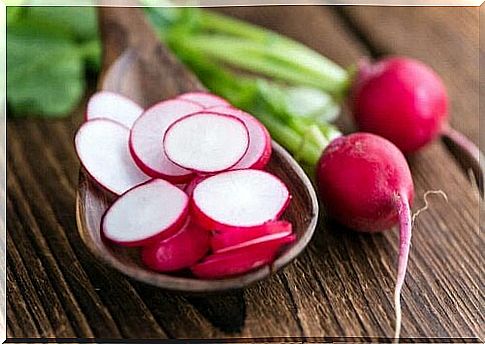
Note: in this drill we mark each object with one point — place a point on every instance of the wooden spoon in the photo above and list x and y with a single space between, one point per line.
138 66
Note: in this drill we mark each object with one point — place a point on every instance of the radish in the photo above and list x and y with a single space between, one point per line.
239 199
204 99
239 261
146 139
259 150
402 100
189 188
235 239
145 214
206 142
179 251
102 147
113 106
365 184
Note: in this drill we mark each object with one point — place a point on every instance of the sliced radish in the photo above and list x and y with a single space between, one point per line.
147 213
236 262
239 199
189 188
180 251
206 142
113 106
146 139
238 238
181 186
204 99
259 151
102 147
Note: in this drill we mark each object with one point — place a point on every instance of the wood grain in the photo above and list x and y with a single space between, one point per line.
340 286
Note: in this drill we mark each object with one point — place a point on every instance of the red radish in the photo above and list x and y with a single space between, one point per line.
402 100
180 251
204 99
189 188
259 150
206 142
102 147
145 214
239 261
113 106
181 186
146 139
365 184
235 239
239 199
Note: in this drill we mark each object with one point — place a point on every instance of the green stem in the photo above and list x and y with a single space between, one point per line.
279 44
271 59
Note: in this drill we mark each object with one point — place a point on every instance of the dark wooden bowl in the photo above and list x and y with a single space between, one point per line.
137 65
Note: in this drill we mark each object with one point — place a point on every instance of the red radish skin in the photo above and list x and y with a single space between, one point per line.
235 239
145 214
189 188
180 251
236 262
239 199
204 99
146 140
102 147
259 150
400 99
365 183
206 142
113 106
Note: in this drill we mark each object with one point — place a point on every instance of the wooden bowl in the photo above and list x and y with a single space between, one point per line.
138 66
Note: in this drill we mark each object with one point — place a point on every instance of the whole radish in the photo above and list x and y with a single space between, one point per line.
365 184
400 99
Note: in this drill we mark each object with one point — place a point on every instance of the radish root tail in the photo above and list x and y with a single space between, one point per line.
426 204
406 223
405 231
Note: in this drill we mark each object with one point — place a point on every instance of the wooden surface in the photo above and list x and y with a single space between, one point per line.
341 285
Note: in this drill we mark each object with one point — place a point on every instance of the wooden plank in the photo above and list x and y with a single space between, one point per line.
51 197
348 278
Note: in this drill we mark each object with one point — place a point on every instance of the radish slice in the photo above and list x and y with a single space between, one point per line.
102 147
189 188
113 106
235 239
236 262
206 142
147 213
146 139
204 99
239 199
180 251
259 151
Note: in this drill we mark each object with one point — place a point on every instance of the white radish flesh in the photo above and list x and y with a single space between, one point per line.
180 251
239 199
146 139
259 150
204 99
113 106
206 142
102 147
235 239
147 213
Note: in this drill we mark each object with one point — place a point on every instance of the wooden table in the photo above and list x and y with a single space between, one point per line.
340 287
